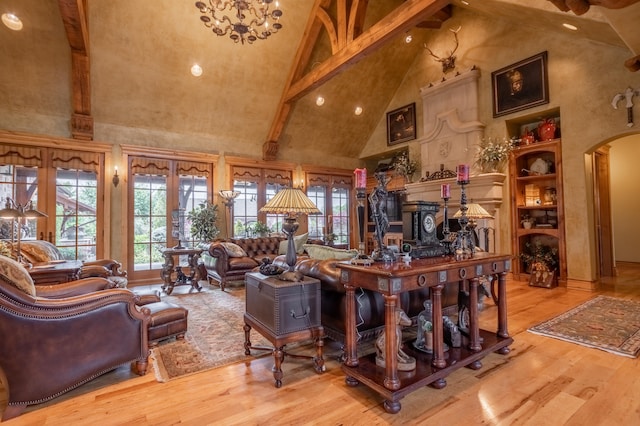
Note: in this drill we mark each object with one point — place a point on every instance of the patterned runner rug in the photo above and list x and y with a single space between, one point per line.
215 335
606 323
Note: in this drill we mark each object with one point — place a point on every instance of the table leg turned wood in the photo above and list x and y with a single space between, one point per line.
502 310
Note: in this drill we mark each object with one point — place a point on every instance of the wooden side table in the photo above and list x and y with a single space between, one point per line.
55 272
283 312
180 278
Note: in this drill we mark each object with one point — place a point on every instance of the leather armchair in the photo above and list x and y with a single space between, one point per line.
55 338
39 251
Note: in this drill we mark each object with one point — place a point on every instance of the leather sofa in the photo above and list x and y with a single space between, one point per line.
221 264
369 305
55 338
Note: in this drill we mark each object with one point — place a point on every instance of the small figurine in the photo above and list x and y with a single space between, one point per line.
405 362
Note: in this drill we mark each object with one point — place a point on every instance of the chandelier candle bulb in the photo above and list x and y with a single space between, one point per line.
445 191
463 174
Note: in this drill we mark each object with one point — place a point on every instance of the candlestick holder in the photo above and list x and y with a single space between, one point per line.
361 258
446 233
463 246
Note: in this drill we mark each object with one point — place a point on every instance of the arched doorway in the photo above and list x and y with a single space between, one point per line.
616 180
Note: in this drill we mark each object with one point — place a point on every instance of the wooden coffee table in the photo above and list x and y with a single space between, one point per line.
55 272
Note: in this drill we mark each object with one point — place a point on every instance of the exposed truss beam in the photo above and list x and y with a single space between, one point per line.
349 45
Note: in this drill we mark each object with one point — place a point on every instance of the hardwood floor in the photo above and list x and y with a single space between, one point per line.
541 381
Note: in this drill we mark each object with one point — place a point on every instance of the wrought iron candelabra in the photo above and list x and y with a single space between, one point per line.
463 246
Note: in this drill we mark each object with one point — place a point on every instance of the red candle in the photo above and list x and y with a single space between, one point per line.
463 173
361 178
445 190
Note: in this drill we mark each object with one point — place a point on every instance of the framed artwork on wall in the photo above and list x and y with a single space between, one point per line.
401 124
521 85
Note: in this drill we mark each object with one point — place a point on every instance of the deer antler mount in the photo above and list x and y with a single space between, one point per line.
448 62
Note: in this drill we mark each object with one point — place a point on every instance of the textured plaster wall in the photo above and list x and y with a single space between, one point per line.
583 78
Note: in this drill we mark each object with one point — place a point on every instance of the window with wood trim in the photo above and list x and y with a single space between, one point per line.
332 195
163 193
62 183
256 186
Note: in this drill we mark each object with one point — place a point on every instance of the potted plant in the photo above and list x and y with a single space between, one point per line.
541 261
261 229
203 222
404 167
493 154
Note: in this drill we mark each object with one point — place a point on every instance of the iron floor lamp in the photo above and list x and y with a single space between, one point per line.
16 211
290 201
229 197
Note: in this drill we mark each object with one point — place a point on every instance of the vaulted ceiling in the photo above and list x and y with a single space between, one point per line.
124 64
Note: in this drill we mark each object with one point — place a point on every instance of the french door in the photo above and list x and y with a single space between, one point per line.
63 184
162 192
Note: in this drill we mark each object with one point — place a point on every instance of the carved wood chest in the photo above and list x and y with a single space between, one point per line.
283 306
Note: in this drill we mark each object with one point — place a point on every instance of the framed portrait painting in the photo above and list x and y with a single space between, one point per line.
401 124
521 85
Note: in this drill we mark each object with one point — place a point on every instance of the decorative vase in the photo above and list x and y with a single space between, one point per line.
547 129
491 167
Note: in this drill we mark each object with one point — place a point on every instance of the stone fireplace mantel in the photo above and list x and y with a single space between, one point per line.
452 131
484 189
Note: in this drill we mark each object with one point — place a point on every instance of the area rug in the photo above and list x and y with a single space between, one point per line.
606 323
215 334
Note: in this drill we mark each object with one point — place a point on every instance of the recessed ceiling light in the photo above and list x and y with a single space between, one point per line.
11 21
319 101
196 70
408 39
570 27
466 3
358 110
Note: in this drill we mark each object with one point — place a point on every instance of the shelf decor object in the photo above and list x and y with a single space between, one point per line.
290 201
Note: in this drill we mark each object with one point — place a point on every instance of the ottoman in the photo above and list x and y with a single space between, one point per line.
146 296
167 320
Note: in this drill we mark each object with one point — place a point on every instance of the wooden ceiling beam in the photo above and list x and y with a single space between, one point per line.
406 16
74 18
309 37
349 45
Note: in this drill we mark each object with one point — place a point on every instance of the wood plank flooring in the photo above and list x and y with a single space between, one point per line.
542 381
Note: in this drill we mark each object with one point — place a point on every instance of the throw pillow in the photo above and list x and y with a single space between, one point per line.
298 240
234 250
16 275
325 252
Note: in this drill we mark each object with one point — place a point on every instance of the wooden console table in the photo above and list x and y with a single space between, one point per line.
55 272
169 268
391 280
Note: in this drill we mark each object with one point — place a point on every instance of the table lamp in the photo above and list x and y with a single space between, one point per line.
474 212
290 201
13 210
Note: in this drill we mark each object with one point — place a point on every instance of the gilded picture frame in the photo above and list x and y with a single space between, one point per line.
521 85
401 124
